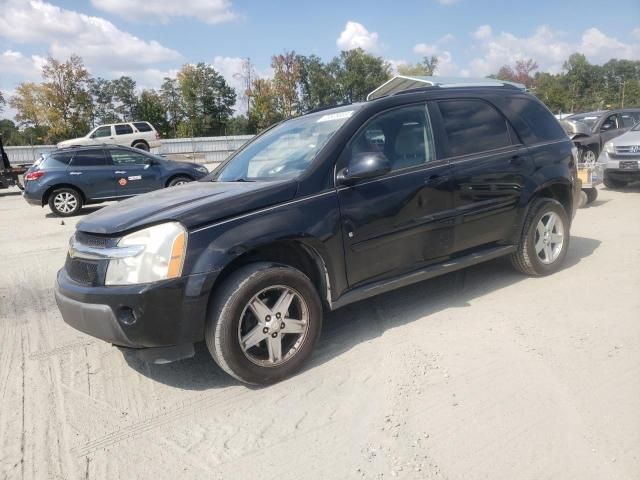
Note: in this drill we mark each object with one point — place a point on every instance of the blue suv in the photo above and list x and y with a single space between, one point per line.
69 178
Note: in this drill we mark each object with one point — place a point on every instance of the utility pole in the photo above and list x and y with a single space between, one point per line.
622 100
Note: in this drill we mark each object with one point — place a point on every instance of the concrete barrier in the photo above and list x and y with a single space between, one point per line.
201 149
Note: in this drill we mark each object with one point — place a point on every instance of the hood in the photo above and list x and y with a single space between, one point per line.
627 139
575 127
192 204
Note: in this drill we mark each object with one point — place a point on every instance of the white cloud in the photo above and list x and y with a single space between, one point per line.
448 2
636 33
484 31
547 47
446 38
425 49
355 35
99 42
395 64
27 68
210 11
446 65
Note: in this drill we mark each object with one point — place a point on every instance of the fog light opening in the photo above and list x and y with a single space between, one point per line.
127 316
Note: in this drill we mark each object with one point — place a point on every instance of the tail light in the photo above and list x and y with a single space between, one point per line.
157 136
34 175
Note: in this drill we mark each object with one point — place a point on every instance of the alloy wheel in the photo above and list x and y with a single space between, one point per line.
65 202
273 326
549 238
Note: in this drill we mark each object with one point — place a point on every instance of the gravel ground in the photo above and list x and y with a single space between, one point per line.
480 374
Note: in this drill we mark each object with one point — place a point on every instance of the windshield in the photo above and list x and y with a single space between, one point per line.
636 127
286 150
589 118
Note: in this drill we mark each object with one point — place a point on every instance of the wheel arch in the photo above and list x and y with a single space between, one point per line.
140 140
51 189
176 175
294 253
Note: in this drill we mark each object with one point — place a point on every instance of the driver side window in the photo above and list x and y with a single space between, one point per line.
403 135
102 132
611 123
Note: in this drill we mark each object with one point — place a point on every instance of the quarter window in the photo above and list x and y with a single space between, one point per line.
124 129
473 126
142 126
89 158
539 124
403 135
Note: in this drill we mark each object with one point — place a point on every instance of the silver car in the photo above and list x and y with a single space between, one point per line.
621 157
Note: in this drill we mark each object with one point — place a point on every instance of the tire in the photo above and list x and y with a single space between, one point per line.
230 318
611 183
592 194
589 155
141 146
583 199
180 180
65 202
529 258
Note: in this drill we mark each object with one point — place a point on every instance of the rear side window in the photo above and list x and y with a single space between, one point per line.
89 158
143 126
123 129
58 159
473 126
629 119
126 157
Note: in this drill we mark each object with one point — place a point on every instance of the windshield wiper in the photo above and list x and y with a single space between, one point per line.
242 179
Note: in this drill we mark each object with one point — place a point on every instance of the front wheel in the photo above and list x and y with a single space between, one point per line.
612 183
545 239
589 155
263 323
179 181
65 202
592 194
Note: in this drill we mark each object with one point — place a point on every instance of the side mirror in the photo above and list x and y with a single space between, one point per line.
362 166
151 161
606 126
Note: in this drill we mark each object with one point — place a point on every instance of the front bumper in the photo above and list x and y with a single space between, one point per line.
164 314
618 167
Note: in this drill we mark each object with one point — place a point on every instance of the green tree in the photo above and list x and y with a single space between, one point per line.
206 98
358 73
317 84
172 102
150 107
264 105
286 77
3 102
427 67
103 109
124 93
29 103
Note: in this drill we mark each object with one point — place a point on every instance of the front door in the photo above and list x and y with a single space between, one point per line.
399 221
102 135
91 171
134 172
489 167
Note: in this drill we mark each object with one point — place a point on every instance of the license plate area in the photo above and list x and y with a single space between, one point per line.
628 164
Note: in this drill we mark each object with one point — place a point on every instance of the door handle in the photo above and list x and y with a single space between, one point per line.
120 172
432 178
516 160
75 173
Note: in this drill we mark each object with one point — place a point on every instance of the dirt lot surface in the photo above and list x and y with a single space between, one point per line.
481 374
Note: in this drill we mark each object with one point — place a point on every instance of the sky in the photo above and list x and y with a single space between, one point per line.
151 39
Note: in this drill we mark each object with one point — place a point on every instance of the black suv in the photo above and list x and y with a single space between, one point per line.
318 212
69 178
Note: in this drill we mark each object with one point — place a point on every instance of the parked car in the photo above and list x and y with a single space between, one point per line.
318 212
141 135
621 157
70 178
591 130
9 175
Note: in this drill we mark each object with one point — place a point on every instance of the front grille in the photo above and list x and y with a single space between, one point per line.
89 272
85 272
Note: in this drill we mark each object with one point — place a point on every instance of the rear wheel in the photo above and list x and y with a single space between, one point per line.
65 202
612 183
592 194
264 323
181 180
141 146
545 239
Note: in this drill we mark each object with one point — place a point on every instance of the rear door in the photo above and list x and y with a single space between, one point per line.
489 166
402 220
123 134
91 171
134 173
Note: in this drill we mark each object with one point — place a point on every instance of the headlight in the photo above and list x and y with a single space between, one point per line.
162 256
202 169
609 148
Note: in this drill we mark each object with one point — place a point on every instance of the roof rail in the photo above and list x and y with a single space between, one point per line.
402 83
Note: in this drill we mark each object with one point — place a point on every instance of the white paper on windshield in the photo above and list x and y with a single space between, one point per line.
335 116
